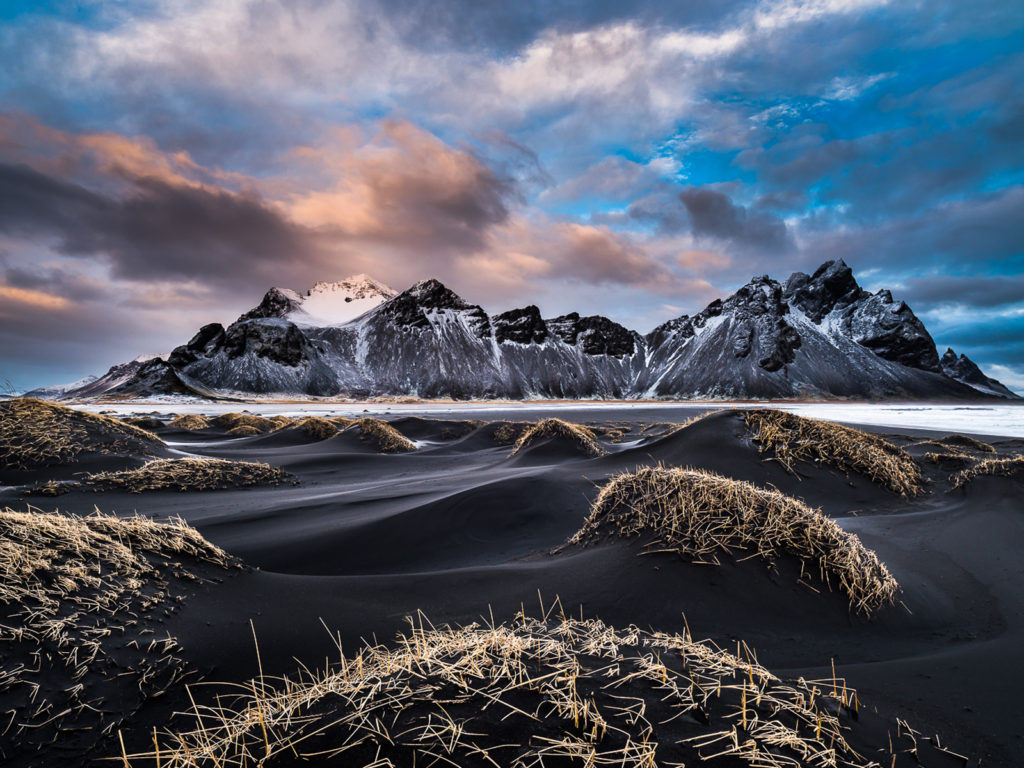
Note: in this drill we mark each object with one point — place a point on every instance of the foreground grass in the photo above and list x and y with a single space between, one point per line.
1010 466
382 436
581 437
533 693
76 597
37 433
192 474
793 438
701 514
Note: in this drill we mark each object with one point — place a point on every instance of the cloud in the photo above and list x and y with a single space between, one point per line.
968 290
406 188
156 230
714 215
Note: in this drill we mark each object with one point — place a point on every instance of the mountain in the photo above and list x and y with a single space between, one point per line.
325 303
55 391
965 371
814 336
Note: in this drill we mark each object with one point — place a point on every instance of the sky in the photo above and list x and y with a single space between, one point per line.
162 164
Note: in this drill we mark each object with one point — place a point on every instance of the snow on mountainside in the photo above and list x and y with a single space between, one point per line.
325 303
54 391
814 336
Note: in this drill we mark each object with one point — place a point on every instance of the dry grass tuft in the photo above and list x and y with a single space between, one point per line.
230 421
37 433
75 591
509 432
526 695
317 428
699 514
193 422
460 429
958 441
1010 466
245 430
384 437
147 423
580 436
342 422
795 438
189 475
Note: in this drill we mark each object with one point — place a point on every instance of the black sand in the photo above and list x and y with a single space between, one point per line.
457 529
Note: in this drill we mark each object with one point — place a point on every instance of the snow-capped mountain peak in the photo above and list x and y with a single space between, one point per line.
326 303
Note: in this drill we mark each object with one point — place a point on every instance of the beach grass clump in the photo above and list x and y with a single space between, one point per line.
245 430
261 424
950 459
191 474
36 433
581 437
148 423
701 514
79 600
384 437
533 692
191 422
460 429
508 432
791 438
1008 466
317 428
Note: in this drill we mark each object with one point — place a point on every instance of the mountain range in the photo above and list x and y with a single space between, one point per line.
812 336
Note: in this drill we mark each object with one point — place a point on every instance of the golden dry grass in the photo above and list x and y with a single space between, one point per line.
192 474
245 430
382 436
700 514
73 592
509 432
230 421
959 441
1009 466
193 422
318 429
147 423
791 438
342 422
37 433
531 693
580 436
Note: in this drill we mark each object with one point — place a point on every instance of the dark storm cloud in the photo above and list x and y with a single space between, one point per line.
155 230
972 291
714 214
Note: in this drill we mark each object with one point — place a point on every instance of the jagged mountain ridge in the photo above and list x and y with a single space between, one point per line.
817 335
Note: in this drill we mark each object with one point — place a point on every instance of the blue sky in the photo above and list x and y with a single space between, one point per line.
163 164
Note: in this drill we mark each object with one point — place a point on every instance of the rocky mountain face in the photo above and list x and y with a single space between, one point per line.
818 335
964 370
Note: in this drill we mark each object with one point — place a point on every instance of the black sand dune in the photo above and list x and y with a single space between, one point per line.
460 529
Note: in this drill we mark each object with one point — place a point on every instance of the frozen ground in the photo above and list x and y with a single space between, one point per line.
980 419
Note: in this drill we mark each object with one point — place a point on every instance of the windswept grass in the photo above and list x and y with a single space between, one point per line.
960 441
791 438
1010 466
384 437
231 421
580 436
316 428
37 433
245 430
192 422
700 514
533 693
148 423
76 594
509 432
192 474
